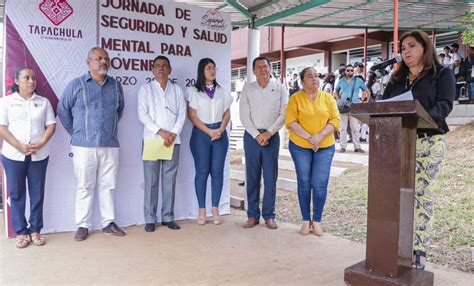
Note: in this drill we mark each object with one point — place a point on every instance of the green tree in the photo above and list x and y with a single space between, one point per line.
468 34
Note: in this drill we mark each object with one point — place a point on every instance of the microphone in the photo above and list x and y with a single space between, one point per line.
397 59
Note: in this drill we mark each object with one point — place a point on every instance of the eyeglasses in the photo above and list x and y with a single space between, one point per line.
210 68
349 70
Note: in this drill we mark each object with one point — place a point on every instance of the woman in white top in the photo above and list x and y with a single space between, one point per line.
27 123
209 112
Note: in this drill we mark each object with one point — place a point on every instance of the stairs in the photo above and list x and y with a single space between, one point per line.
286 170
236 138
460 115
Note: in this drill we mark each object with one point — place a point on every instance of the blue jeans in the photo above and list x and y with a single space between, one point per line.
258 158
18 174
312 172
209 158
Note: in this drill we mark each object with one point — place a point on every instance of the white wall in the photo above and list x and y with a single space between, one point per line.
316 60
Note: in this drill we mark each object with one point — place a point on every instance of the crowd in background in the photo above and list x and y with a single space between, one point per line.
376 81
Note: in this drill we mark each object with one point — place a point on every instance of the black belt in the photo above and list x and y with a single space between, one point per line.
262 130
423 135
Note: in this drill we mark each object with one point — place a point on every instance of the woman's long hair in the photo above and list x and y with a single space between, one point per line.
201 79
15 87
430 58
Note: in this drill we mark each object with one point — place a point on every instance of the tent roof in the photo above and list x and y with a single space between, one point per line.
442 15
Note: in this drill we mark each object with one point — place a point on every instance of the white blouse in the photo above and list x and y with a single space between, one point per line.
209 110
26 119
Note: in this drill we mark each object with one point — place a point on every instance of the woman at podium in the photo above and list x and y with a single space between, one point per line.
312 117
434 87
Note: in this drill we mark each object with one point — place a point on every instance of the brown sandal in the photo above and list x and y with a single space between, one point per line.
37 239
22 241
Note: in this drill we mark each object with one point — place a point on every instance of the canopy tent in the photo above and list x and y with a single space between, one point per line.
439 15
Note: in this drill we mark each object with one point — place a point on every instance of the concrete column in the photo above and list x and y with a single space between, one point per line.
328 60
282 56
385 50
253 51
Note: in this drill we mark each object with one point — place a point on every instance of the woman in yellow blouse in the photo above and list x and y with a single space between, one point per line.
311 117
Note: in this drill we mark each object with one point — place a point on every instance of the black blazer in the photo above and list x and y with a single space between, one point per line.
435 94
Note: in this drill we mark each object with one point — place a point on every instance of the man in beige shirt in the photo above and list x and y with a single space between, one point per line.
262 112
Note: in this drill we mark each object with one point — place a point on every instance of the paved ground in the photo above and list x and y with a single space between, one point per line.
204 255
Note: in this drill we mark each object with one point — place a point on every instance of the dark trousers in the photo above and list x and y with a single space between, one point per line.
209 158
18 174
258 159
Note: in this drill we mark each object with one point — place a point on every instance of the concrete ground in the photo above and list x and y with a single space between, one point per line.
195 255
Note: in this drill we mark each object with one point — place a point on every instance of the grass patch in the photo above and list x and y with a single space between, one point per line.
345 212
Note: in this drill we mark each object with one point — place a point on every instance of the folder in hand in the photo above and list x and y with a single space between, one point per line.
155 149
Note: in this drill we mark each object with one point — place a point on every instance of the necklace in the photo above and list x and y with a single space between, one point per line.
410 81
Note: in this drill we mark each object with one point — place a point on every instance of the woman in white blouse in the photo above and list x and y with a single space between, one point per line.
209 111
27 122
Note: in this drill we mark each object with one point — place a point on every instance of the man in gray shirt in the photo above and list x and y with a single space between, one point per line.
89 109
262 112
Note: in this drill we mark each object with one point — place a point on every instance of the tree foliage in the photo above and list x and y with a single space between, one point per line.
468 34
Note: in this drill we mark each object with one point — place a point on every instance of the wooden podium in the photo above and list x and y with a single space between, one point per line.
391 194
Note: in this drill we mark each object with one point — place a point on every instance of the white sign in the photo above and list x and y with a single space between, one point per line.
54 36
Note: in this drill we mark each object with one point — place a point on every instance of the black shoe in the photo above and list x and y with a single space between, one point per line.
359 150
242 183
418 264
150 227
113 229
363 140
171 225
343 150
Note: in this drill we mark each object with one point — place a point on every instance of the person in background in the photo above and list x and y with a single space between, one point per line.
469 67
262 112
441 58
447 60
348 89
328 83
27 123
455 58
312 117
433 85
162 111
294 84
90 109
209 111
359 71
340 73
239 85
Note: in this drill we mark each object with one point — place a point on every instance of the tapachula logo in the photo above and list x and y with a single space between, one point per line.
56 10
